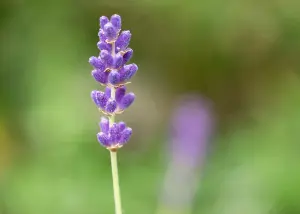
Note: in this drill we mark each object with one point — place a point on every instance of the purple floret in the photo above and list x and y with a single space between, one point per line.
103 21
123 40
99 98
114 77
100 76
120 92
106 57
127 56
111 106
126 101
96 63
116 21
126 134
118 61
104 46
121 126
104 125
108 91
104 139
128 71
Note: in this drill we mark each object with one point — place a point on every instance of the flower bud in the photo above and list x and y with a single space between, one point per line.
116 21
114 77
127 100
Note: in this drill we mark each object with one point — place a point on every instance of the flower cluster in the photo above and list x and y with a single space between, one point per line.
111 71
110 106
117 134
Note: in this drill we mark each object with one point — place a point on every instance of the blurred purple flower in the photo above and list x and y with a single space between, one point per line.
192 126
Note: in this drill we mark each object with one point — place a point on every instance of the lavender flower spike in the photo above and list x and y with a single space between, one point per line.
192 126
111 71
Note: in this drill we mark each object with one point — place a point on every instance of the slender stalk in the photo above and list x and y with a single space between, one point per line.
116 186
113 158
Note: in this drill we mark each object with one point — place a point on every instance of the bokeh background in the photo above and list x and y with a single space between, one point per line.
242 55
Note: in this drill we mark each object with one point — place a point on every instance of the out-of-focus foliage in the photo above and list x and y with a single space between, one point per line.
244 55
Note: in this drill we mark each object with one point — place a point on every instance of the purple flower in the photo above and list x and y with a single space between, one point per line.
120 92
100 76
191 128
121 126
115 136
192 125
111 106
96 63
106 58
118 60
108 92
99 98
114 77
103 21
104 125
126 101
104 139
127 56
123 40
110 70
126 134
102 36
128 71
104 46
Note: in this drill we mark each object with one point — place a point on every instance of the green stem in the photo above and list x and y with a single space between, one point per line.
113 157
116 186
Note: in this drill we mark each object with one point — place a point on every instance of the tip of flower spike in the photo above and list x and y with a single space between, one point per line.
110 31
116 21
103 21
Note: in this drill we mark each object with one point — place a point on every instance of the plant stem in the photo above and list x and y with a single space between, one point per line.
116 186
113 157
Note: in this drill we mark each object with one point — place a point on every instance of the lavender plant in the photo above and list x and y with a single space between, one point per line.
191 129
111 71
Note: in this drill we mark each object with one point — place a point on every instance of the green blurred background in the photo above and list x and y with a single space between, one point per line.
242 54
